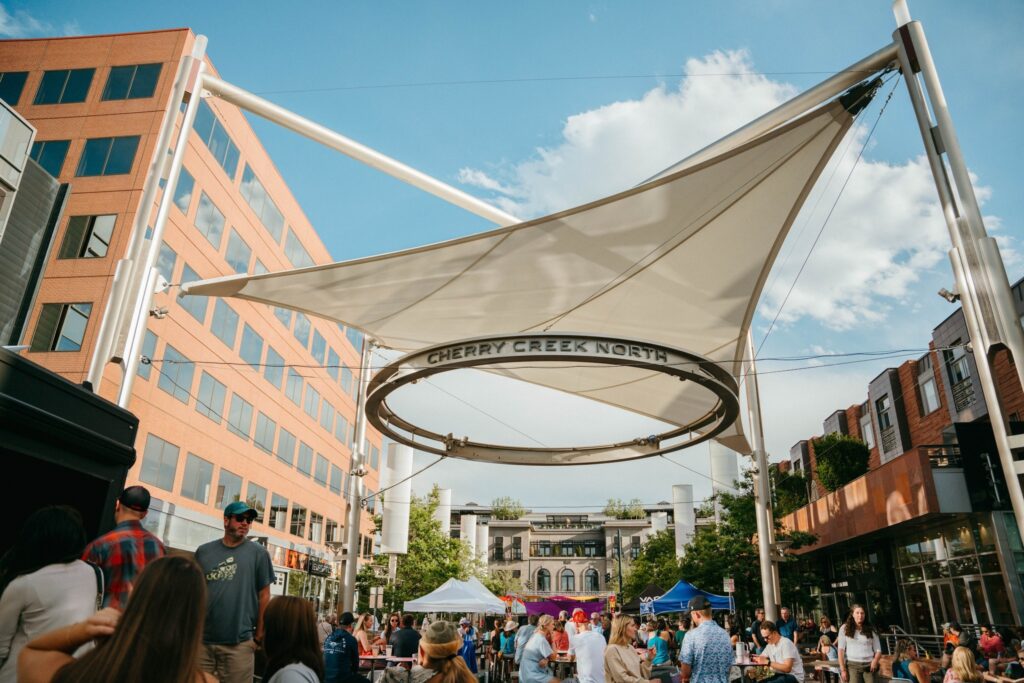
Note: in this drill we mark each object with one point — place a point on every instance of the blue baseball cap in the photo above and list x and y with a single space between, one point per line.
240 508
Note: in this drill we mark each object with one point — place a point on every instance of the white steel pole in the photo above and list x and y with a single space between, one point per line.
981 280
762 499
127 272
355 481
371 157
136 331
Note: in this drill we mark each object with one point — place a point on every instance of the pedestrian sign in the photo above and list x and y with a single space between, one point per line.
728 585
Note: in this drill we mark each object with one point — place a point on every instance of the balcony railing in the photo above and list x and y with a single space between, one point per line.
963 394
943 456
559 550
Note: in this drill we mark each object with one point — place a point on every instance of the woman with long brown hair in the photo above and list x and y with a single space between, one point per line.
439 660
291 642
621 662
860 649
156 640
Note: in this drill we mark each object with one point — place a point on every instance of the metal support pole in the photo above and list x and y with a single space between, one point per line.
143 298
762 498
355 484
128 273
981 281
618 552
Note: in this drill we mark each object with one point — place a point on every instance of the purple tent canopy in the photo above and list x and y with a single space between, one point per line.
553 606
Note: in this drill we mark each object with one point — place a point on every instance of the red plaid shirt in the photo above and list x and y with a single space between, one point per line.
121 554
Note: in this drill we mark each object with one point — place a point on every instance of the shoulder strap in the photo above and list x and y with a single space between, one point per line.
99 585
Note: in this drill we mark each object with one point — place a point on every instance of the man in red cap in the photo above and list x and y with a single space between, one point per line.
123 551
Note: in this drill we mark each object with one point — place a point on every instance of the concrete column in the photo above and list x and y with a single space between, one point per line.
685 518
443 513
468 524
483 542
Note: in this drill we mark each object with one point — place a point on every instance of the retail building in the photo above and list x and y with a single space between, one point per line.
235 400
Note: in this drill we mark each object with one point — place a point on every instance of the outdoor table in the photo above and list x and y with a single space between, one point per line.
373 659
563 663
827 669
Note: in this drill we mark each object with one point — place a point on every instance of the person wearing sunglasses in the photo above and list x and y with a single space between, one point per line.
238 577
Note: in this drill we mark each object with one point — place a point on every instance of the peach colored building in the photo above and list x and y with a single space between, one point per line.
240 400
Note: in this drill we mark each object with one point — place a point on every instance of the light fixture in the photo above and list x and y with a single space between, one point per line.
951 297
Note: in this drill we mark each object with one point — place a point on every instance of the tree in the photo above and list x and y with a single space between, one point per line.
655 564
634 509
433 558
501 582
507 508
727 549
840 459
790 489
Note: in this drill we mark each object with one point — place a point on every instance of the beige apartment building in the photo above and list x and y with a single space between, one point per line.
235 400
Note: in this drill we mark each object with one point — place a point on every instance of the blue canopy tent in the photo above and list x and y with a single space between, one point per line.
679 595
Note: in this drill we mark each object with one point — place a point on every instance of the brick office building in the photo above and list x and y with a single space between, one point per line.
240 400
927 536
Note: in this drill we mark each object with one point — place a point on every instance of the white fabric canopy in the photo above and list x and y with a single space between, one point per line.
465 597
680 261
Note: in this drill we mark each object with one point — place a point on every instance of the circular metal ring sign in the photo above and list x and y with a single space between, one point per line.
553 347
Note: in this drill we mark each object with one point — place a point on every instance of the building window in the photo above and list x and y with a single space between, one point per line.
216 138
159 463
240 417
273 369
286 447
108 156
882 406
61 327
258 268
256 498
262 205
305 461
229 488
322 468
298 527
591 582
225 323
284 315
148 351
11 85
278 512
209 220
293 388
327 416
335 481
517 548
332 534
266 430
166 259
50 154
929 395
176 374
66 86
567 580
341 430
134 82
543 580
87 237
251 350
312 402
210 401
195 484
346 379
316 527
333 361
239 253
195 305
634 549
295 252
543 549
319 348
499 549
867 431
301 330
355 337
183 190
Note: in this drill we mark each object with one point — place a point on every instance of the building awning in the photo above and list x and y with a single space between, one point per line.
680 260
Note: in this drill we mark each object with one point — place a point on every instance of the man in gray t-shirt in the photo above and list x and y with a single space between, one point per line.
238 577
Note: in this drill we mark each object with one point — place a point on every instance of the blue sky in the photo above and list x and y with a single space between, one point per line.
488 96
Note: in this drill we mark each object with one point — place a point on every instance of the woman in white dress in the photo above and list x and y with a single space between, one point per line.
44 583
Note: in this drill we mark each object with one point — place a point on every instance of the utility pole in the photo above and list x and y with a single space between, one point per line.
618 553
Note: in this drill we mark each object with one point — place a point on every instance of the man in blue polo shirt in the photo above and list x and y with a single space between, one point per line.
787 626
707 654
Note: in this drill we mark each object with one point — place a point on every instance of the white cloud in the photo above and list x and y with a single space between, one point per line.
22 24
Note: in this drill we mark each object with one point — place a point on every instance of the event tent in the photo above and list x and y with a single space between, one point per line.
647 595
675 600
679 260
464 597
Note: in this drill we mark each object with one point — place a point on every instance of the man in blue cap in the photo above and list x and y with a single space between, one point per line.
238 577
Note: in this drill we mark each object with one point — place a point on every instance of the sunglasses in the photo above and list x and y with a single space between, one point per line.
242 518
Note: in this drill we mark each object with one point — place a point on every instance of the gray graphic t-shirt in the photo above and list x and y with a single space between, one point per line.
234 578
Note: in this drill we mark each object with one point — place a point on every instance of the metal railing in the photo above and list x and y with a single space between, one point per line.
943 456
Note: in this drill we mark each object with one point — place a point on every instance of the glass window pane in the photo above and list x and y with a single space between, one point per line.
77 86
320 475
195 305
176 372
319 348
284 315
305 461
165 261
256 498
278 512
144 83
266 430
293 390
240 417
327 416
301 330
183 190
286 447
298 526
273 369
195 484
341 430
229 488
148 351
332 363
11 85
335 482
101 229
225 323
203 124
118 82
122 154
159 463
94 157
251 350
50 154
295 252
312 403
238 253
210 399
209 220
51 87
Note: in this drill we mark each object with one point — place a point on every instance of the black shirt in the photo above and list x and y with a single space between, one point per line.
405 642
755 634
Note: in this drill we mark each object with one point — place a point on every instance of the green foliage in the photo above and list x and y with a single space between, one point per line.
728 549
790 490
507 508
433 558
656 564
501 582
634 509
840 459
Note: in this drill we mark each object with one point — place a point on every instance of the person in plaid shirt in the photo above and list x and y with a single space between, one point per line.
123 551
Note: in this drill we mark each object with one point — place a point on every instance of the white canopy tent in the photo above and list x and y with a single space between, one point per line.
680 260
463 597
